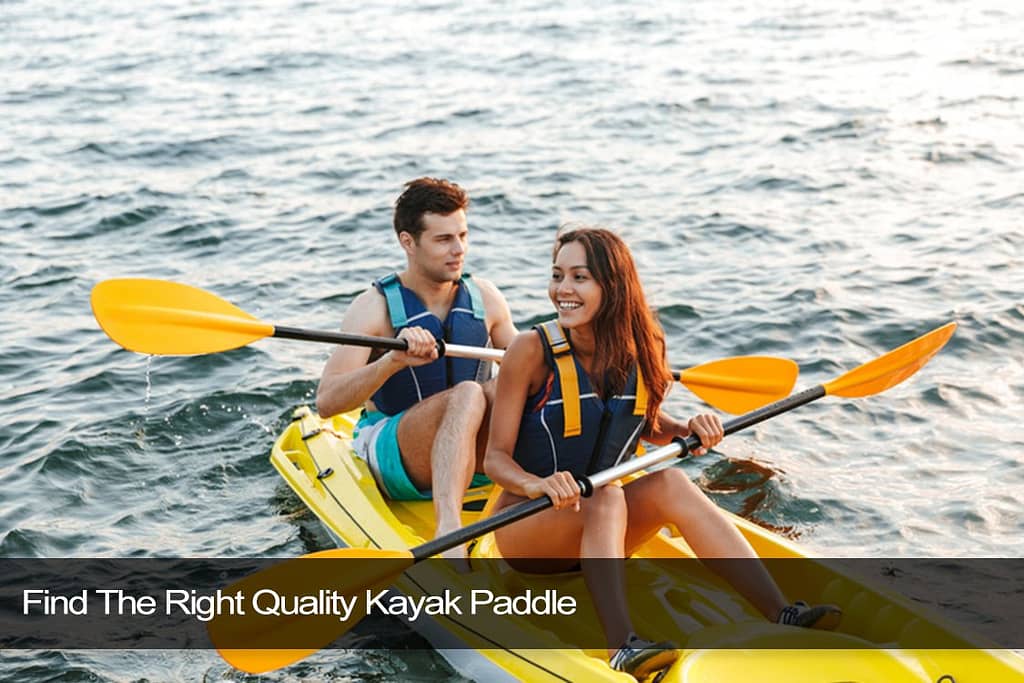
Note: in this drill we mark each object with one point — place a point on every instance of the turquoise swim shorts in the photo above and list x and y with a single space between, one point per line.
375 440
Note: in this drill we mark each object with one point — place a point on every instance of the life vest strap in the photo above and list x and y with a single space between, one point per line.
392 289
475 297
568 379
640 406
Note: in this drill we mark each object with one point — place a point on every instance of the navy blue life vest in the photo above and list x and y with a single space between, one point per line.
465 324
572 428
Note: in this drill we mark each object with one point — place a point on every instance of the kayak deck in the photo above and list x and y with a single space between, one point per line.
682 601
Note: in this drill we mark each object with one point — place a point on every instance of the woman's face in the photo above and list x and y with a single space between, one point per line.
573 289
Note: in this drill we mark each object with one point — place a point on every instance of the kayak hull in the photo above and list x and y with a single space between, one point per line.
314 457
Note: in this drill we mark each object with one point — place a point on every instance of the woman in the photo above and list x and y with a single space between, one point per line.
573 398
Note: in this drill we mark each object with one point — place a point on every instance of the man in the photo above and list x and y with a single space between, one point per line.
423 430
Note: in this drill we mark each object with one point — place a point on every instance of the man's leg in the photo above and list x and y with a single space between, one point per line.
485 425
438 442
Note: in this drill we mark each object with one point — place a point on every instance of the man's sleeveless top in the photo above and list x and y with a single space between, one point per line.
464 324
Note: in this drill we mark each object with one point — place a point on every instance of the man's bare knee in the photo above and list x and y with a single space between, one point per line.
468 397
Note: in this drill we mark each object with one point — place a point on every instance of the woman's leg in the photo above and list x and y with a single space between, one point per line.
597 531
669 497
602 552
549 535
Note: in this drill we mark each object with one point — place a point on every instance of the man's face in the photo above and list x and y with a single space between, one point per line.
441 252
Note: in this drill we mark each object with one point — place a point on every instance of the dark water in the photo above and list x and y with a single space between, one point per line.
822 182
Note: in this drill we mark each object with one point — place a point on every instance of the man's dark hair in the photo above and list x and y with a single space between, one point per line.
426 195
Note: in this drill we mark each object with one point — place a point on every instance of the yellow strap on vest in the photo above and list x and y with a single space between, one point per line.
640 407
570 383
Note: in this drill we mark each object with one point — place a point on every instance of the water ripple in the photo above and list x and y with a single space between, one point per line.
791 185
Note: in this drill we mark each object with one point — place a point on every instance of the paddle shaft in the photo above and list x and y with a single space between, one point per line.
868 379
679 447
443 349
170 318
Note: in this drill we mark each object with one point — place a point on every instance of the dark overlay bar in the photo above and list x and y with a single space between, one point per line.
170 603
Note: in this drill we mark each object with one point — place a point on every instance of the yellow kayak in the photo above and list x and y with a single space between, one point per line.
680 601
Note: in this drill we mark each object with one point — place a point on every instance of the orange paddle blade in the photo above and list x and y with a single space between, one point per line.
889 370
257 643
741 384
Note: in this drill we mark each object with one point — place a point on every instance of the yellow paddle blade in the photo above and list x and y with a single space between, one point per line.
258 643
169 318
892 368
741 384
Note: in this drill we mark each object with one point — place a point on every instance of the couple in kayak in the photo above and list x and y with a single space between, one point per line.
575 396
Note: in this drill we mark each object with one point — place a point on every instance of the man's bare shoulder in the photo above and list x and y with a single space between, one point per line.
490 292
499 316
368 314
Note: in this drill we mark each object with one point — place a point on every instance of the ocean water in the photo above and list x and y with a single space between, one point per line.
817 181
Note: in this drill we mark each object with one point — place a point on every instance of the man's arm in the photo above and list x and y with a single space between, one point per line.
499 318
347 381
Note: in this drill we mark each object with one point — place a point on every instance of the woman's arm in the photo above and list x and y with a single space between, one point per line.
706 426
523 372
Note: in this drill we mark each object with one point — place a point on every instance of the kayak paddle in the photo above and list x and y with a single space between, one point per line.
170 318
377 568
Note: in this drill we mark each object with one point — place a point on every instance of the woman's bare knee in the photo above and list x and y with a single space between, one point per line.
673 481
672 490
606 502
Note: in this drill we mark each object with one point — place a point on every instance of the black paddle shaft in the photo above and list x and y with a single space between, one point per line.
349 339
679 447
772 409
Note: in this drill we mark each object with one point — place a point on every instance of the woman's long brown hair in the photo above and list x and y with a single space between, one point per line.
626 332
